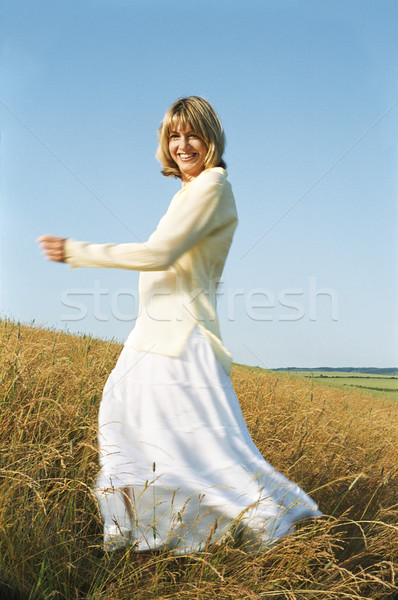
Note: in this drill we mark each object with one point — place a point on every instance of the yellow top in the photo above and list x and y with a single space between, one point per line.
181 265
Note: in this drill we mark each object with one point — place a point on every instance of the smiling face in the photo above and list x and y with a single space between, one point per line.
188 151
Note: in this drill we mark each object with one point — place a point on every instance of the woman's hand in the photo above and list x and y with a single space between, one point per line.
53 247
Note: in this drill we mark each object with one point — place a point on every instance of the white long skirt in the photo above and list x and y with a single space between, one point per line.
178 466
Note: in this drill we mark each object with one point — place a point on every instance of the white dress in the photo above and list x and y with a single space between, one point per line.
178 466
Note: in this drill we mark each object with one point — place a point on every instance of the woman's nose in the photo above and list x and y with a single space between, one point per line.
184 141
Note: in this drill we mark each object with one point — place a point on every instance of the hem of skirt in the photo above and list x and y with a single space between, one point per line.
253 540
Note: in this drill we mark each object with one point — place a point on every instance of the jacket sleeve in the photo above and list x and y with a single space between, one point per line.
207 206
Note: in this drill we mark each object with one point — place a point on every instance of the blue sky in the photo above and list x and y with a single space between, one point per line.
308 95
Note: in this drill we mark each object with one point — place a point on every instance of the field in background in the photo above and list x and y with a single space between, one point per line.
339 444
377 385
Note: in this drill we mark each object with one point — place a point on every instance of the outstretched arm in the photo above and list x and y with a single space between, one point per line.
207 206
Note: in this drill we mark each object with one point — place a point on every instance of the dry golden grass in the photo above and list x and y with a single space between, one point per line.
339 446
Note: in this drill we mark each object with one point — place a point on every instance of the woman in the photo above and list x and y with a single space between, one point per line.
178 466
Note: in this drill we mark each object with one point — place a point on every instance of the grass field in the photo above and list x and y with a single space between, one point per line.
339 444
377 385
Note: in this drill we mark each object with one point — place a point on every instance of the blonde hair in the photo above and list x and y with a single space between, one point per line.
197 113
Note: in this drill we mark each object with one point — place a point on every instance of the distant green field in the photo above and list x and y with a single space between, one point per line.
377 385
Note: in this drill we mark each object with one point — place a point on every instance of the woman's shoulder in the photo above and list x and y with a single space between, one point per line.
213 176
213 184
215 173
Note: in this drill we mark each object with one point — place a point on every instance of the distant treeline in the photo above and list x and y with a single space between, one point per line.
365 370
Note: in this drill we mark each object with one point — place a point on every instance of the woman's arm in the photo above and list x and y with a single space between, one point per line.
208 205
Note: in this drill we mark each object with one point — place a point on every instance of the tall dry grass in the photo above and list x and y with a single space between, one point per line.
339 446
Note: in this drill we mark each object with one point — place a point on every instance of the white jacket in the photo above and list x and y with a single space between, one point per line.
181 265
